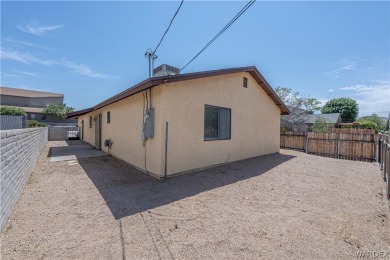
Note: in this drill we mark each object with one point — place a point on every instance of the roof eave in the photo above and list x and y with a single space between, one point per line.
79 113
152 82
269 90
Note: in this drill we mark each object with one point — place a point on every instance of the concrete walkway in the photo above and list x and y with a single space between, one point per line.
73 152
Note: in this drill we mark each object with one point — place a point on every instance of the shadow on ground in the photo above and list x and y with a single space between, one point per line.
128 191
69 143
74 150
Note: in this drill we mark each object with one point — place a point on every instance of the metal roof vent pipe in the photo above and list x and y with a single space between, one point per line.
165 70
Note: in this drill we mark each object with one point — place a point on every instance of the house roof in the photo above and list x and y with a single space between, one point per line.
155 81
27 93
331 118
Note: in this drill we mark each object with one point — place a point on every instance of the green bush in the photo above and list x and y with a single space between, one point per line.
374 118
35 123
284 129
368 125
321 125
58 110
12 111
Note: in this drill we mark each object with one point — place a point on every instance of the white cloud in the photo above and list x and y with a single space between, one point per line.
19 74
345 65
79 69
84 70
372 99
27 73
16 56
38 30
29 44
11 75
330 90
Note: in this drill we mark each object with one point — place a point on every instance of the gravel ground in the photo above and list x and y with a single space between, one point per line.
282 206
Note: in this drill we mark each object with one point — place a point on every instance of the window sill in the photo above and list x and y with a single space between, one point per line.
217 139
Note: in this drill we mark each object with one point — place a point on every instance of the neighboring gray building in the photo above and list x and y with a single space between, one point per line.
303 122
31 101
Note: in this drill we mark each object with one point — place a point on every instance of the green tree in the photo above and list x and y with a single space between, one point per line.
320 125
375 119
58 110
12 111
348 108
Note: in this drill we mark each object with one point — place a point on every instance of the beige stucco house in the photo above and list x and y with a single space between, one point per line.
173 124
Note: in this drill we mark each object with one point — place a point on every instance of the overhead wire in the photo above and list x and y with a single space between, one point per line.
169 26
242 11
149 53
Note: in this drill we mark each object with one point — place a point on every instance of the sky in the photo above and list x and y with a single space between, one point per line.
92 50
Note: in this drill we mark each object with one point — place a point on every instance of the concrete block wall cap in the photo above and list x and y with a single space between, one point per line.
3 134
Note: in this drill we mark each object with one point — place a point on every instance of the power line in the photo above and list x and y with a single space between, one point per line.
169 26
243 10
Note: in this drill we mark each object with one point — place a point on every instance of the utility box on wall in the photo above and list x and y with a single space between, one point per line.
149 123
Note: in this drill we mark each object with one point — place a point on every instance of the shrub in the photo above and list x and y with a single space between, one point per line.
12 111
320 125
374 118
368 125
58 110
35 123
284 130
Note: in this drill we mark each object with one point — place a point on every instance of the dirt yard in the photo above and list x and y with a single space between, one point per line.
282 206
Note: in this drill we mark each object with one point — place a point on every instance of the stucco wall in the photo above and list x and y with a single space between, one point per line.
255 124
255 121
125 130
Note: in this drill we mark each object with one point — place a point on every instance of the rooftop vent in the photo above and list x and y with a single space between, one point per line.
165 70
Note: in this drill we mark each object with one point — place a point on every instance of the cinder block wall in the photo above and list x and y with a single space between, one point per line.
19 151
58 133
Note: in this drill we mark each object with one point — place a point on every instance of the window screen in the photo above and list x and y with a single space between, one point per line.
108 117
90 122
217 123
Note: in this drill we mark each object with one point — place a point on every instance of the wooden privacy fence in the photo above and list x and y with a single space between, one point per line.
352 131
350 146
384 159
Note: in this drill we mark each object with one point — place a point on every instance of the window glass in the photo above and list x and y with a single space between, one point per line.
217 123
